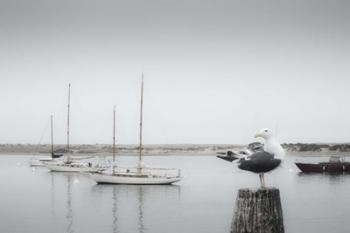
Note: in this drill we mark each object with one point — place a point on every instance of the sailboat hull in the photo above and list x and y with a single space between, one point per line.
133 179
71 168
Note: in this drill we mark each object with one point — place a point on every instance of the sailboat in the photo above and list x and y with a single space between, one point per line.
41 161
69 165
139 174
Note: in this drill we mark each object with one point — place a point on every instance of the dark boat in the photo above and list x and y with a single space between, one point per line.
335 165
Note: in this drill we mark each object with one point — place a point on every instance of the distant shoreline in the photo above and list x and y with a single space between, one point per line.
101 149
304 149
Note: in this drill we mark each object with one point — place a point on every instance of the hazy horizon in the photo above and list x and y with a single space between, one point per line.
215 71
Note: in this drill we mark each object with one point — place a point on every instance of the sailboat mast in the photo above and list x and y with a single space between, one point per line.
68 118
113 141
52 135
141 118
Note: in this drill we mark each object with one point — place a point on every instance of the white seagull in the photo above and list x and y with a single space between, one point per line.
262 161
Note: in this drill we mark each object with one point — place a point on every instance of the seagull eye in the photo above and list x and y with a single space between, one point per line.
266 130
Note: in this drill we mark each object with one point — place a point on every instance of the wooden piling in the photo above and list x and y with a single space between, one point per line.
258 211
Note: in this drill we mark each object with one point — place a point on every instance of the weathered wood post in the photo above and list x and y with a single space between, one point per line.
258 211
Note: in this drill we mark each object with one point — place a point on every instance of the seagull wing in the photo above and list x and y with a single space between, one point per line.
259 162
260 156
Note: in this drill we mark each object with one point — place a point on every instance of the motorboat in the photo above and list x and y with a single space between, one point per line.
335 164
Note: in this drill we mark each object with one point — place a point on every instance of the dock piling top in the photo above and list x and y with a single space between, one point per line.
258 211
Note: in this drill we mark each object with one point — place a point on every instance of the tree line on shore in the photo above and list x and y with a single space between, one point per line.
168 148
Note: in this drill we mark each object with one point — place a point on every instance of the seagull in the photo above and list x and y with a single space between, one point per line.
261 160
266 160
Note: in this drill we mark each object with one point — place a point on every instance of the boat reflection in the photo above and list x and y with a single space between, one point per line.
53 197
68 179
114 210
69 215
141 226
129 201
333 178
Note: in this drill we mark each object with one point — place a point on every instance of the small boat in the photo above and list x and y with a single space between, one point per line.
140 174
68 165
334 165
41 161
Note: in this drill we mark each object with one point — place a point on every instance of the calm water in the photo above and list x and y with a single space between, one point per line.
35 200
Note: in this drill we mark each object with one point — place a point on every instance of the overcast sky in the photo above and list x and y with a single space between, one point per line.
215 71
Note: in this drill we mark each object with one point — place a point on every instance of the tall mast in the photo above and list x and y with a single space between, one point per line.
141 118
52 135
68 116
113 141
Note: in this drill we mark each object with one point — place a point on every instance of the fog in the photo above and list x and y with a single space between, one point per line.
215 71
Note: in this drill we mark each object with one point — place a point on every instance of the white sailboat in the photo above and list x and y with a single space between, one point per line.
69 165
139 174
40 162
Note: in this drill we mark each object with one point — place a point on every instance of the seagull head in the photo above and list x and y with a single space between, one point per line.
271 144
264 133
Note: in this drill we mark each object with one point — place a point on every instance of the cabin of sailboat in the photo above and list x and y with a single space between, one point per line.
140 174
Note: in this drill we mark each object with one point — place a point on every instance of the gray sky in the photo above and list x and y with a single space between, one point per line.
215 71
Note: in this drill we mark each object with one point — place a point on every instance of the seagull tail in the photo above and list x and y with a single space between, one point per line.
226 158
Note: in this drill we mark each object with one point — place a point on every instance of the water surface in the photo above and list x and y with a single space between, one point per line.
35 200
